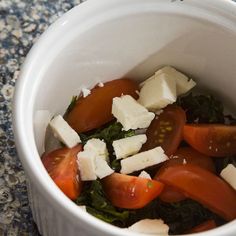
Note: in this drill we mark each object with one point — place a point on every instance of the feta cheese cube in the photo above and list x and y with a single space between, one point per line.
128 146
183 83
98 146
144 175
229 175
130 113
143 160
86 164
92 161
158 92
102 169
150 226
85 92
64 132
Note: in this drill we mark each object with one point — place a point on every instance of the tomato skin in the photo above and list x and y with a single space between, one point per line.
130 192
202 186
190 156
211 139
62 167
166 130
207 225
94 110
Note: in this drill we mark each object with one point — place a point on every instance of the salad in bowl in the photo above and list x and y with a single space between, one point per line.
156 157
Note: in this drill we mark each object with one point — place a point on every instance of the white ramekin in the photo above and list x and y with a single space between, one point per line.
108 39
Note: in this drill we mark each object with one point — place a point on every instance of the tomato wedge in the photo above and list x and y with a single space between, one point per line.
166 130
212 140
93 111
130 192
61 165
202 186
207 225
191 156
183 155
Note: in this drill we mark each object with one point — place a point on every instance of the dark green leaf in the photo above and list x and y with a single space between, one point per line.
202 109
98 205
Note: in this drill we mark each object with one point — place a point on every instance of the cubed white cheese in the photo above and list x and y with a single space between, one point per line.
86 164
98 146
100 84
158 92
144 175
183 83
229 175
150 226
41 120
130 113
128 146
102 169
143 160
64 132
85 92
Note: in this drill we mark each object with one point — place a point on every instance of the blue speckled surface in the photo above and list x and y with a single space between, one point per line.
21 23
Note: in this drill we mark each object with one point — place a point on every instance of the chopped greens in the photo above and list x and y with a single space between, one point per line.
180 216
202 109
97 204
109 133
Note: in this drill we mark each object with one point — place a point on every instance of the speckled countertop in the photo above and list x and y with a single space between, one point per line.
21 23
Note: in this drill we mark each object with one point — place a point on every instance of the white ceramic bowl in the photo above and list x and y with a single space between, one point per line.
108 39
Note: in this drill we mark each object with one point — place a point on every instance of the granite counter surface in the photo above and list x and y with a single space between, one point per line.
21 23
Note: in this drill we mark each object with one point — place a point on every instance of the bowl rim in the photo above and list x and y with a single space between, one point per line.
22 121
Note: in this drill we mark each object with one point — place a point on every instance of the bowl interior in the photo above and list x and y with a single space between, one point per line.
132 41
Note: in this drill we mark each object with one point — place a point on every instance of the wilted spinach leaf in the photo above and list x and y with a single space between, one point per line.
97 204
108 133
202 109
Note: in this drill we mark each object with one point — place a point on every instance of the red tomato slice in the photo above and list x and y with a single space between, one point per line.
207 225
166 130
62 167
171 194
211 140
202 186
94 110
130 192
190 156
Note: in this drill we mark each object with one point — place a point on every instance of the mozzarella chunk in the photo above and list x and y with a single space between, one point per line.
92 161
130 113
150 226
144 175
86 164
85 92
102 169
98 146
41 120
229 175
158 92
183 83
64 132
128 146
143 160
